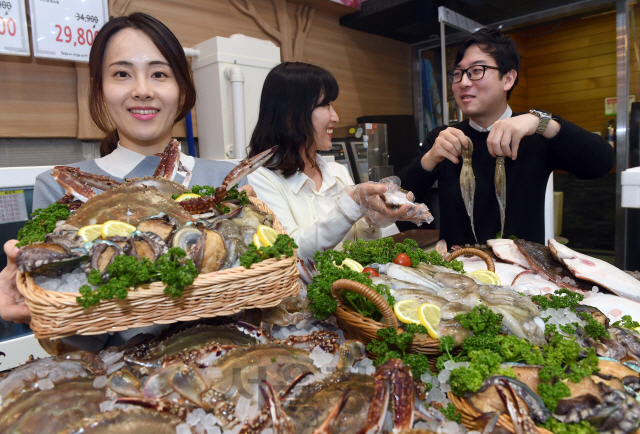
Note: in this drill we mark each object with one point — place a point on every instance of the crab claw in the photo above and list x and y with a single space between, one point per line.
244 168
160 405
170 160
522 423
394 373
281 422
327 425
79 183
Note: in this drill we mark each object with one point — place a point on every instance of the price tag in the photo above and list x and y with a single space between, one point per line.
65 29
12 206
14 37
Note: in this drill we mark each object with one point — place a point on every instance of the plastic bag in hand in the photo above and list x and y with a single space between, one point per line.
383 209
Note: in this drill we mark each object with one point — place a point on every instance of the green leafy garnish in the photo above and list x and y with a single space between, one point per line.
283 245
552 393
43 221
557 427
561 299
206 190
593 327
128 272
319 291
392 345
627 322
384 250
451 413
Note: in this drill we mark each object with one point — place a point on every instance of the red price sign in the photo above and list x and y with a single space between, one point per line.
82 36
66 29
14 37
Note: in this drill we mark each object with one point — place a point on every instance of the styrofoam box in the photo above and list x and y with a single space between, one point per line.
630 180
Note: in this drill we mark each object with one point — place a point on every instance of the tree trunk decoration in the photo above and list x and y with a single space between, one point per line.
291 46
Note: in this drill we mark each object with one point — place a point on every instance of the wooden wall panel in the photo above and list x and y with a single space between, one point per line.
571 68
374 73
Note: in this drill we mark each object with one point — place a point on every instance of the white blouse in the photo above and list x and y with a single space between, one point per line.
314 219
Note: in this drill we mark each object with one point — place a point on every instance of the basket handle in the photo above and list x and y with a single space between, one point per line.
476 252
357 287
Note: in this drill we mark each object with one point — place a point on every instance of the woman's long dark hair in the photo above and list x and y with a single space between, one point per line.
290 93
170 48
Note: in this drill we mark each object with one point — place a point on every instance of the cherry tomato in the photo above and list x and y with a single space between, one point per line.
402 259
372 272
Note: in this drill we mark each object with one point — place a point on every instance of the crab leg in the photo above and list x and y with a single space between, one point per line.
520 419
244 168
327 425
170 159
281 422
79 183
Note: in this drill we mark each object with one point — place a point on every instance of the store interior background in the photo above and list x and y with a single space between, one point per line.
568 68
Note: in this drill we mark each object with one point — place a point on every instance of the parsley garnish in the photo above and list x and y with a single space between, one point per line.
43 221
128 272
392 345
627 322
561 299
283 245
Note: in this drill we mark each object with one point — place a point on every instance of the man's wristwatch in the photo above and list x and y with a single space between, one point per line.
545 117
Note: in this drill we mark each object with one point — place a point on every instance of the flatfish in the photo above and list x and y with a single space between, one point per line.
500 182
542 262
468 183
597 271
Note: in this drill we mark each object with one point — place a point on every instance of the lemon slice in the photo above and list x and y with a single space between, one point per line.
350 263
114 228
256 241
407 311
90 233
266 235
485 276
187 196
429 315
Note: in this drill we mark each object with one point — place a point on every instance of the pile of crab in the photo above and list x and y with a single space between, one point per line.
213 240
220 376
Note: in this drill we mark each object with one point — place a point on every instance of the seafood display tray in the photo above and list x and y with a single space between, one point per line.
469 414
356 326
57 314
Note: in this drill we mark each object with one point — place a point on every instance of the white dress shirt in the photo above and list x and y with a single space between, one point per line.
506 115
313 218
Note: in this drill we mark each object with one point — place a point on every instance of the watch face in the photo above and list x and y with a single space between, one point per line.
542 112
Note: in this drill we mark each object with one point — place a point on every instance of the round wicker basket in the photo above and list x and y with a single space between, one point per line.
469 414
356 326
471 251
57 314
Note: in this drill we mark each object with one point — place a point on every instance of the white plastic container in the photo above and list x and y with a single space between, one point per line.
630 181
214 105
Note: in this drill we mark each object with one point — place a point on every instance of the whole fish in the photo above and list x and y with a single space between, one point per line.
412 275
500 182
542 262
596 271
400 284
468 183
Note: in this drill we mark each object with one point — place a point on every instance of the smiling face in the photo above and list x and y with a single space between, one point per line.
483 100
324 119
141 93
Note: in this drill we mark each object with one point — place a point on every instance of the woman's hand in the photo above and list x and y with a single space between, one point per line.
369 195
249 189
12 305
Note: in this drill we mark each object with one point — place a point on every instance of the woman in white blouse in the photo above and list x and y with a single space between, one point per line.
306 193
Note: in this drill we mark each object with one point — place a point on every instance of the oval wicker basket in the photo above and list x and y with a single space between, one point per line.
469 414
57 314
356 326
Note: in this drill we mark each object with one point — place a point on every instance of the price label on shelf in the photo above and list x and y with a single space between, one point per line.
12 206
14 36
65 29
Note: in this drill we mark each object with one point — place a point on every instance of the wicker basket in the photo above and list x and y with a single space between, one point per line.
356 326
57 314
469 414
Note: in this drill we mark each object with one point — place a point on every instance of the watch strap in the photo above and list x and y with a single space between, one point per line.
545 118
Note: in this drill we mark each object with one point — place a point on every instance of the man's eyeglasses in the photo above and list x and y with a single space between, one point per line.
474 73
